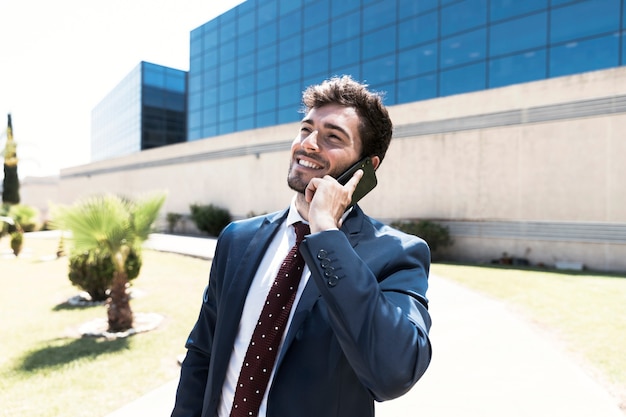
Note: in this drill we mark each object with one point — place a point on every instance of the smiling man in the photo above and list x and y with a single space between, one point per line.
316 310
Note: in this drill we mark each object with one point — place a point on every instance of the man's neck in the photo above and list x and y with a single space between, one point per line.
302 206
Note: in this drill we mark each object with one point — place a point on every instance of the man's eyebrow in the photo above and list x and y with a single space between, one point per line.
328 126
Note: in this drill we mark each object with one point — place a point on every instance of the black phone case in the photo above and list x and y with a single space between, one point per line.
367 183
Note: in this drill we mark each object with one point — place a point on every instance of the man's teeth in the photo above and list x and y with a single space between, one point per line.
308 164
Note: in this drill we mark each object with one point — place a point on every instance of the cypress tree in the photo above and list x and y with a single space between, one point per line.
11 183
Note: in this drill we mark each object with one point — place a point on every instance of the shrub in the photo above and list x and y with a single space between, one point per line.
209 218
93 272
172 220
26 216
436 235
17 241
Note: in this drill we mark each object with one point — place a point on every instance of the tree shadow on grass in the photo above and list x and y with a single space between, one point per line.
60 352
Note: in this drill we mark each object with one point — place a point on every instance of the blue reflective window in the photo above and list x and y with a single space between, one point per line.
226 109
195 42
265 101
316 38
246 44
267 34
378 15
209 115
289 95
286 6
623 58
209 96
245 123
227 51
227 31
352 70
345 53
208 131
195 83
267 56
464 48
520 68
227 90
266 78
346 27
194 120
316 13
245 64
195 63
316 63
153 75
418 88
417 61
227 71
246 23
246 85
418 30
209 77
290 47
584 19
379 43
245 106
463 80
288 115
414 7
289 71
388 91
266 119
226 126
464 15
345 6
175 82
266 12
583 56
530 32
210 39
380 71
290 24
503 9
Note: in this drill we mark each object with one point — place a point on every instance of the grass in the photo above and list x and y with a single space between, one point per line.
46 370
584 311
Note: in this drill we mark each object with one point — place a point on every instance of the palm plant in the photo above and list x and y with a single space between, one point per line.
115 226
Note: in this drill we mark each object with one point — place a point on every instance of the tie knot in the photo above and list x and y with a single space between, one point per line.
301 230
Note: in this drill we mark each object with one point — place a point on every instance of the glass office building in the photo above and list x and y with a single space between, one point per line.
145 110
249 65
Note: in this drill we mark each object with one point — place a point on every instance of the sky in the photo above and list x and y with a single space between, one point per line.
59 59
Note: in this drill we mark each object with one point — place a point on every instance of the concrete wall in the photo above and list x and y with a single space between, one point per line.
535 170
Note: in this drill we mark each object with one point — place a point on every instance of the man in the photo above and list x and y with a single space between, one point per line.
357 328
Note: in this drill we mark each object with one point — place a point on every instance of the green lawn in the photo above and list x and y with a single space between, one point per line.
585 311
46 370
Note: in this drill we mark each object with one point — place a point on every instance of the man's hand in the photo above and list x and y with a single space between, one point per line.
328 200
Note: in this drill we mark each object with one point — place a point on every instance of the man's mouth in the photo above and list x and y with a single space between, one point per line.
309 164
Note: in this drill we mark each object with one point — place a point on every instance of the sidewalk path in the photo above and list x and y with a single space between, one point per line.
487 362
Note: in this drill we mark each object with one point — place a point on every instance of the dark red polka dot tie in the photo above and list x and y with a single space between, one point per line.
261 354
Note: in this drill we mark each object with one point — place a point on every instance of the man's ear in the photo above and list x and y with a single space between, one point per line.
375 162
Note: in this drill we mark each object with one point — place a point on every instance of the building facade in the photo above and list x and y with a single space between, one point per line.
508 119
147 109
248 66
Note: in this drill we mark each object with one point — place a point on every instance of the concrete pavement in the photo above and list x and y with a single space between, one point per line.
487 362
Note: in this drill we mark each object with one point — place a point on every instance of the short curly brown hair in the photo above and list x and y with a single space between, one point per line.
375 126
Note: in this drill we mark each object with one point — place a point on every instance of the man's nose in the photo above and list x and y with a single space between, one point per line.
310 142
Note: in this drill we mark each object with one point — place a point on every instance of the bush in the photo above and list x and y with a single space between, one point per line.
93 272
17 241
172 220
26 216
436 235
209 218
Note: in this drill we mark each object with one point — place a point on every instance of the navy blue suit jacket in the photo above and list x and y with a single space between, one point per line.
359 332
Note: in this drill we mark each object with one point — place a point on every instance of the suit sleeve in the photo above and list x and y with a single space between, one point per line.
377 306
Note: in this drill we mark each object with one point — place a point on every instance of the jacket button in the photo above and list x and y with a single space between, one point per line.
325 262
328 272
333 280
322 254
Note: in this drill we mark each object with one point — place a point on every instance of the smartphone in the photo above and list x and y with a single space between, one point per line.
368 180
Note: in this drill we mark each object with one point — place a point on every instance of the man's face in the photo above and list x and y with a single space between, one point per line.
328 143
